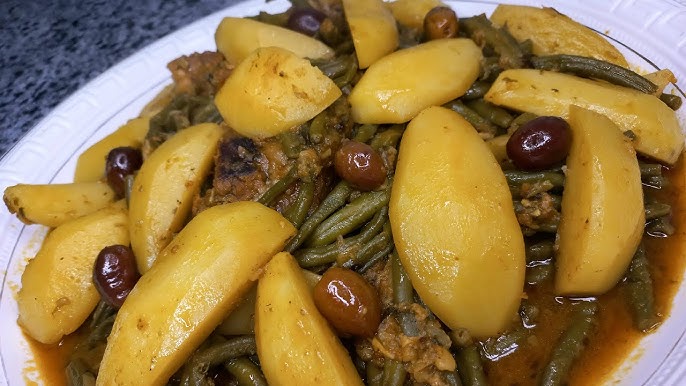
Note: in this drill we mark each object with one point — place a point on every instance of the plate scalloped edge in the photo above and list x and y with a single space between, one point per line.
39 157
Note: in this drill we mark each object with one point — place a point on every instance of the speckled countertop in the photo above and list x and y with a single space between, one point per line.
49 49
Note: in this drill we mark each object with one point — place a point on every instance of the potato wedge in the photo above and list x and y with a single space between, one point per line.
411 13
164 187
657 130
454 226
373 30
54 204
550 33
199 278
57 292
273 90
295 344
237 37
602 215
400 85
91 163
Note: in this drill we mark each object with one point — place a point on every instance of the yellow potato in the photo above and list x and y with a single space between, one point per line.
91 163
554 33
657 130
373 29
295 344
199 278
273 90
238 37
54 204
454 225
164 187
57 292
400 85
602 215
411 13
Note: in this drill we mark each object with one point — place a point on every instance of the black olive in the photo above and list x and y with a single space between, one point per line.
121 162
115 274
540 143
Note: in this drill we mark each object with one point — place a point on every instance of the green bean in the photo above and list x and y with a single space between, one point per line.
279 19
660 227
378 256
639 288
540 251
292 143
673 101
657 209
594 68
389 137
529 313
279 187
218 353
570 344
100 332
494 114
365 132
350 217
128 186
374 374
655 182
317 256
317 129
377 244
78 374
102 311
394 373
480 29
481 124
400 282
452 378
477 90
336 198
297 213
490 69
521 119
517 178
245 372
539 273
505 344
347 77
336 67
469 366
650 170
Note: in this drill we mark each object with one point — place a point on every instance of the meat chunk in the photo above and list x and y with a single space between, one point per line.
200 73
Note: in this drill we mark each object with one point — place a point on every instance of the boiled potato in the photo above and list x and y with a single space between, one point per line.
57 292
54 204
91 163
554 33
602 214
290 330
400 85
237 37
164 187
373 30
655 125
411 13
454 226
204 273
273 90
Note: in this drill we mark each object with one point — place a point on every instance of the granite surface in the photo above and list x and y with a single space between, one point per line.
50 48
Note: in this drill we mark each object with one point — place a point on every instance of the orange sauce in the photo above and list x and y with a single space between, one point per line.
613 338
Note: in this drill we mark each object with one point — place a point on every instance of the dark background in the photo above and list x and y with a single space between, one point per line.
49 49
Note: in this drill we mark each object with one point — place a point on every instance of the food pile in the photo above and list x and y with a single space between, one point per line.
359 192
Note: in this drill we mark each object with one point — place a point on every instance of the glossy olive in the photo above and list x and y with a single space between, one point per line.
540 143
360 165
305 20
440 23
348 302
121 161
115 274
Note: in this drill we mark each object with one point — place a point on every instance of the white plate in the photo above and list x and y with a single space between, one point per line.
656 29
